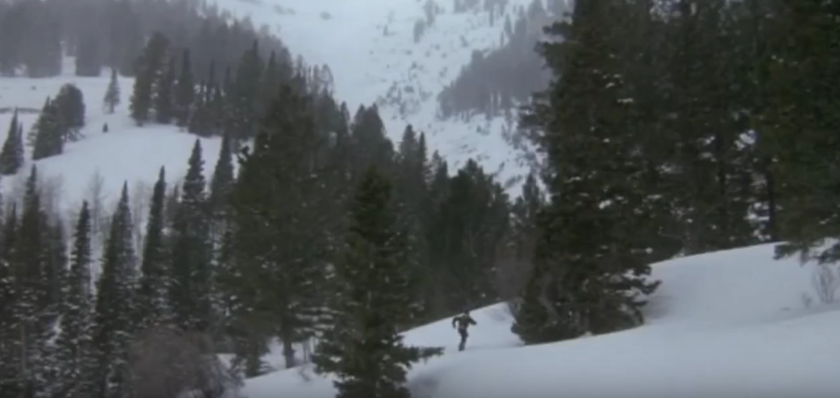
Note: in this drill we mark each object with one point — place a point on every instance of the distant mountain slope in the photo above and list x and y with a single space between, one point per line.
126 154
369 46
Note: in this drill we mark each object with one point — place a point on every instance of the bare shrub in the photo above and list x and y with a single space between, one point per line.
50 191
825 283
18 188
140 198
167 362
304 373
96 204
807 300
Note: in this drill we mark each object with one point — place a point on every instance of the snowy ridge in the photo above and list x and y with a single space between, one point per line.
370 49
725 324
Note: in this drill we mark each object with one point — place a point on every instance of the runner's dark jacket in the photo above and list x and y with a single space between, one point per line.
464 321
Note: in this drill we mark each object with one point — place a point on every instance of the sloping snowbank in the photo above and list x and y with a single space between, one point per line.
730 323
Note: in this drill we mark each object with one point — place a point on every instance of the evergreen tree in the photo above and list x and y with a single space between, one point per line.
524 217
371 147
372 299
800 128
48 133
243 97
270 84
74 340
751 23
34 312
223 178
590 256
149 71
42 55
164 96
112 94
71 106
10 344
199 120
711 183
278 208
89 56
185 90
171 208
411 194
152 296
191 291
469 222
221 228
536 321
56 263
113 314
216 109
11 156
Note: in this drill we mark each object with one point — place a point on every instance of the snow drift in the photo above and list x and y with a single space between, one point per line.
726 324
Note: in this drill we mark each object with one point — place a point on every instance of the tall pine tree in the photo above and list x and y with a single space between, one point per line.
112 94
48 133
802 125
113 323
10 370
74 340
11 156
372 299
164 95
152 296
184 91
588 257
191 289
35 312
150 68
278 210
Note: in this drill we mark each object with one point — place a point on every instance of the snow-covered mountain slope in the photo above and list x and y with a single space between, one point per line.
370 49
725 324
125 154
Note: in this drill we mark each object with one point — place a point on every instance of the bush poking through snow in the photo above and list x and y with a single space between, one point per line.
825 282
304 373
166 362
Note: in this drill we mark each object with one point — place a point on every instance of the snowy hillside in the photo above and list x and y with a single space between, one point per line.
125 154
370 49
725 324
371 52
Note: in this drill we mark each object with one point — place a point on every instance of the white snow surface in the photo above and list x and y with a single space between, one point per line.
725 324
402 77
126 154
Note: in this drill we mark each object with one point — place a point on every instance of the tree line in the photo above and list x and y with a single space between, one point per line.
36 34
675 127
496 81
169 90
61 120
246 254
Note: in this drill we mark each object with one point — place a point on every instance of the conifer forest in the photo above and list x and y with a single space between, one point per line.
666 128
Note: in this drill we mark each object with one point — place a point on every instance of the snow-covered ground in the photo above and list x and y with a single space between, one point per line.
725 324
370 49
126 153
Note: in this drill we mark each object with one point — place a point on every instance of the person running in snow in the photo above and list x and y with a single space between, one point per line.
464 321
